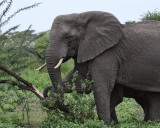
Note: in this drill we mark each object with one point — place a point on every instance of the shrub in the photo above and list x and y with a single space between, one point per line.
17 120
155 15
130 22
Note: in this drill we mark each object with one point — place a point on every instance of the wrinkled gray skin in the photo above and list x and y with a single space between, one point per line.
115 55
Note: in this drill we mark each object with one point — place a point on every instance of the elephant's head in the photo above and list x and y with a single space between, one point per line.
82 37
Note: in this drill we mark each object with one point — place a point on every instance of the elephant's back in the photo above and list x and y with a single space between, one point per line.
142 69
145 28
143 36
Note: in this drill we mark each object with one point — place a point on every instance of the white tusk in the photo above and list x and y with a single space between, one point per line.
41 66
59 63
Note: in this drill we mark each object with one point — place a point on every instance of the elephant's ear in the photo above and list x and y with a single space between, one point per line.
101 31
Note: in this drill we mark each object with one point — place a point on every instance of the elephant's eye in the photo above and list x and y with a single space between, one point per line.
68 37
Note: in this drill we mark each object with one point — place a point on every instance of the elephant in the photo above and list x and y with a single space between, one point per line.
115 55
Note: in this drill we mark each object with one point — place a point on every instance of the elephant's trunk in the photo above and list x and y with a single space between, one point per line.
52 58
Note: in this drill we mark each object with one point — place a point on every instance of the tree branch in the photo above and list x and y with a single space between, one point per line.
15 76
28 86
21 86
34 52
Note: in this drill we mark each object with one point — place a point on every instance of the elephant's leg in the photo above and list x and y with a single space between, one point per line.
114 116
103 72
116 98
152 111
102 100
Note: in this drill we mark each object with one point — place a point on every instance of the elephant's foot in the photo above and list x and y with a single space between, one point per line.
152 111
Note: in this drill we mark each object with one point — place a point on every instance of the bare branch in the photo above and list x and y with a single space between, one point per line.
37 93
23 87
28 86
16 76
34 52
31 88
9 82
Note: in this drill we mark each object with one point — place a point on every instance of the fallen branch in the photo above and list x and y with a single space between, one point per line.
25 86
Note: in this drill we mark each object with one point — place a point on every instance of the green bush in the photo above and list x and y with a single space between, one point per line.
130 22
155 15
65 124
17 120
6 125
14 120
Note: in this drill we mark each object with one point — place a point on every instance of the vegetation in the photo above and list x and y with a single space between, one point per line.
83 115
22 52
155 15
130 22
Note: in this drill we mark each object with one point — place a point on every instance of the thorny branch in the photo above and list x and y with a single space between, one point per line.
11 16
